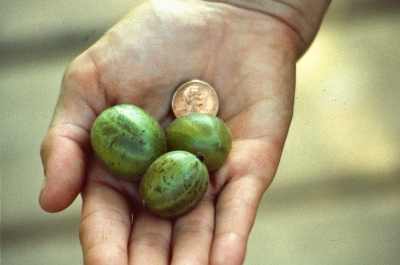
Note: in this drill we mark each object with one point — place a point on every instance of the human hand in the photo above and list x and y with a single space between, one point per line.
247 56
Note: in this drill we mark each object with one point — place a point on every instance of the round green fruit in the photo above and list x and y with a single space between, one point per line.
174 184
201 133
127 139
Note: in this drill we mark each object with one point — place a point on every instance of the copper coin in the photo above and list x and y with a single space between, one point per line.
195 96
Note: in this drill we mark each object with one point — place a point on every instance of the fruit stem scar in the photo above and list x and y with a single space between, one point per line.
201 156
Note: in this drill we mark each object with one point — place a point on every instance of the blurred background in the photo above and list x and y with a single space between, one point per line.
336 196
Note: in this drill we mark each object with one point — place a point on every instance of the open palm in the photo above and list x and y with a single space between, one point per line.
249 59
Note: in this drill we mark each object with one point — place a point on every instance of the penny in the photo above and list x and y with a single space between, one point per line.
195 96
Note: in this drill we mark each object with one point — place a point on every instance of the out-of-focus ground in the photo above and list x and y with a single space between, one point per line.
336 196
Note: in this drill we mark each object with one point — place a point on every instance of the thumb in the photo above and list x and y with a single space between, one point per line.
66 146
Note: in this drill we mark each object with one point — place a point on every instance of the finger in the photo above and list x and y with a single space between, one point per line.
106 222
150 239
64 166
66 145
237 204
236 213
193 234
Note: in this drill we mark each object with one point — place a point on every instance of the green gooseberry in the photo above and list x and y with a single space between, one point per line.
174 184
201 133
127 139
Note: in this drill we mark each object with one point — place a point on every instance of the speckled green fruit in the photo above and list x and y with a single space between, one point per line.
174 184
127 139
198 132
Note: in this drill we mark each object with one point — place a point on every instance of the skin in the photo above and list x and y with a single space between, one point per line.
247 50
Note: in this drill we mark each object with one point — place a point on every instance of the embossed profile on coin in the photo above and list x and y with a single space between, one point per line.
195 96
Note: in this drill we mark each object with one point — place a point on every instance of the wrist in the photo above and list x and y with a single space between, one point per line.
304 17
